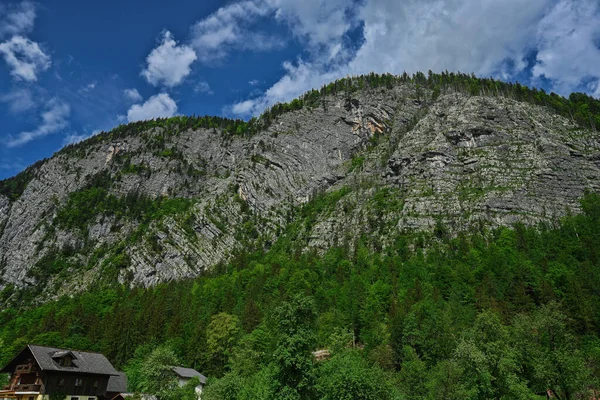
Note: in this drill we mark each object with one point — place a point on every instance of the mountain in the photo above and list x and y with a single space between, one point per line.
384 237
164 200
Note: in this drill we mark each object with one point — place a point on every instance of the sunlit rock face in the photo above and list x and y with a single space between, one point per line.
401 159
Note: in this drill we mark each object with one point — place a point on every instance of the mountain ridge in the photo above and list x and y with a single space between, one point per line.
167 199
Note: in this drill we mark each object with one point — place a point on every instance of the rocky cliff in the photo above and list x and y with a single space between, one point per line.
153 202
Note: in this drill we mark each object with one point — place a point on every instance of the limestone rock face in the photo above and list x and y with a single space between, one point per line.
402 162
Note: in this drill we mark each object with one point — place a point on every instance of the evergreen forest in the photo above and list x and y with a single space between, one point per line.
506 313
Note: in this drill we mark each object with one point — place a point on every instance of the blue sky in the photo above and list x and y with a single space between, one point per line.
69 69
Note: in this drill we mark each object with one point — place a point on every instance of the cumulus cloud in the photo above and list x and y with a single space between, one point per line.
24 57
54 118
133 95
19 100
169 63
458 35
488 38
569 46
297 80
320 23
16 19
228 29
157 106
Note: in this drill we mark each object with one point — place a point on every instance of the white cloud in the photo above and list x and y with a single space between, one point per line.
321 23
227 29
16 19
569 52
157 106
298 79
24 58
458 35
19 100
254 82
169 63
54 119
203 87
133 95
89 87
73 137
487 37
594 88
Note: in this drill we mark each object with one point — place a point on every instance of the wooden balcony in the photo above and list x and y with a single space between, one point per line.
25 369
27 388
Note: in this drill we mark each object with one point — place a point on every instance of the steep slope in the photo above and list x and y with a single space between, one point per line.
163 200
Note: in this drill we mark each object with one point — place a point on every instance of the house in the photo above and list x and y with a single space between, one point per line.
184 375
116 385
38 372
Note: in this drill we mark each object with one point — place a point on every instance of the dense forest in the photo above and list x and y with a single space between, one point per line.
511 313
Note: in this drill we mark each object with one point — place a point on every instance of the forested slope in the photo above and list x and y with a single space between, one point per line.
439 235
507 313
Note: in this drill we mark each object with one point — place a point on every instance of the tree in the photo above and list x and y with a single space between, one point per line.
133 368
444 382
226 388
157 373
294 321
551 360
3 377
413 373
348 377
490 365
221 335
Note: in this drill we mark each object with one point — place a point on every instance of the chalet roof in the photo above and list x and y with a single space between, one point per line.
48 359
63 353
189 373
117 383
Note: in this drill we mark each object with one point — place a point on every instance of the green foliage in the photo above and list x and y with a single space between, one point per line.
187 391
135 169
83 207
294 320
357 163
221 335
508 313
14 187
347 376
157 376
3 377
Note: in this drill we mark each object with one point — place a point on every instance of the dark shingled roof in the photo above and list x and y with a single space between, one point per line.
189 373
117 384
83 362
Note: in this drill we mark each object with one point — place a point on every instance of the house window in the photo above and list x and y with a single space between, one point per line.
61 382
74 398
78 382
66 362
95 385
